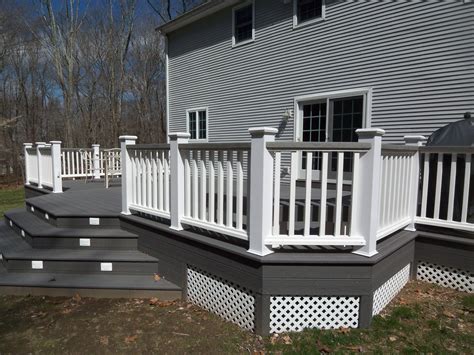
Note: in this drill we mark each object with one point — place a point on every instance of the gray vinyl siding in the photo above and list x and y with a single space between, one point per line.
418 58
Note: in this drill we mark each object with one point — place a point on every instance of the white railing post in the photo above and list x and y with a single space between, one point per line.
40 163
126 172
27 146
414 178
177 179
96 160
261 190
367 207
56 166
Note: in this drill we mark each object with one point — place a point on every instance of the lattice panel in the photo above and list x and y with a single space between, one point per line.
458 279
295 313
387 292
224 298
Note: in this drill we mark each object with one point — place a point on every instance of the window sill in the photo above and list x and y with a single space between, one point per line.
308 23
243 43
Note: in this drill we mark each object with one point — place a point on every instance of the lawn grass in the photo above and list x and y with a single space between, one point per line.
11 197
423 319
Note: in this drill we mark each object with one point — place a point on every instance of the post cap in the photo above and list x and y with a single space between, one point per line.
128 138
256 132
370 132
28 144
40 143
176 135
95 145
55 142
414 139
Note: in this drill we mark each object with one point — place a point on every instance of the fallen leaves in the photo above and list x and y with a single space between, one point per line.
156 302
131 339
157 277
104 340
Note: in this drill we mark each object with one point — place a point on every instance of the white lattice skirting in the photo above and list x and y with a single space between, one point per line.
387 292
295 313
458 279
224 298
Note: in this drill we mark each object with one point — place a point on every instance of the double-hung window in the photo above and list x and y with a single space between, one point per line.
307 11
243 23
197 123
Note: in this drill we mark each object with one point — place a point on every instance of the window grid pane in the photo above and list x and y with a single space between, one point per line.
314 130
309 9
202 125
243 21
192 125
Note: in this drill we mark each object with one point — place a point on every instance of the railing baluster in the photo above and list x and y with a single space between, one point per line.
148 180
293 176
212 182
220 188
161 177
240 190
276 195
144 172
465 196
452 184
308 188
133 177
426 178
355 185
166 180
340 170
439 182
154 157
324 187
230 190
187 183
202 197
195 186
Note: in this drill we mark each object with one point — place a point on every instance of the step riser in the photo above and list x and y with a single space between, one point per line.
74 243
84 267
73 222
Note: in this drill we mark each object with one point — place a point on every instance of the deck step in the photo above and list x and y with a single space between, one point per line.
87 285
40 234
18 255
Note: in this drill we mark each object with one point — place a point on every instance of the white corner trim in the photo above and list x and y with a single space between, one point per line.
235 8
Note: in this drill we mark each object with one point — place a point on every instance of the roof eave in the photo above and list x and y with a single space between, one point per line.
197 13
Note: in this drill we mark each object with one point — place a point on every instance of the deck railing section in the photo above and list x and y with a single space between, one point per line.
43 165
396 188
215 182
293 193
150 179
319 213
77 162
447 193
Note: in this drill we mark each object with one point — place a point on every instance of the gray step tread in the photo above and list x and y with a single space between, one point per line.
104 203
13 246
37 227
85 281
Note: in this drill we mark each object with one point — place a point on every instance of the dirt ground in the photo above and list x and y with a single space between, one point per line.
424 318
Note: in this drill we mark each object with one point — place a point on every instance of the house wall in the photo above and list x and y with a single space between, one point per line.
416 57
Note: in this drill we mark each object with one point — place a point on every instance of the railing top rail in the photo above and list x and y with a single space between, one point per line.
394 148
460 150
148 147
216 146
327 146
75 149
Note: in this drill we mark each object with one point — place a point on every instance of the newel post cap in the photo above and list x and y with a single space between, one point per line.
414 139
40 143
175 135
96 145
367 133
55 142
257 132
128 138
28 144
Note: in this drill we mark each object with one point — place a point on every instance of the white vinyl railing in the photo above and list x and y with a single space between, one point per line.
215 186
318 212
275 194
396 188
447 194
150 180
76 162
43 165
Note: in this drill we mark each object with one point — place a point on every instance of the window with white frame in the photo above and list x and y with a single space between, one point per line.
306 11
197 123
243 23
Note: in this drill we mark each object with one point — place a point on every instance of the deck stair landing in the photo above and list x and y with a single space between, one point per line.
39 257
